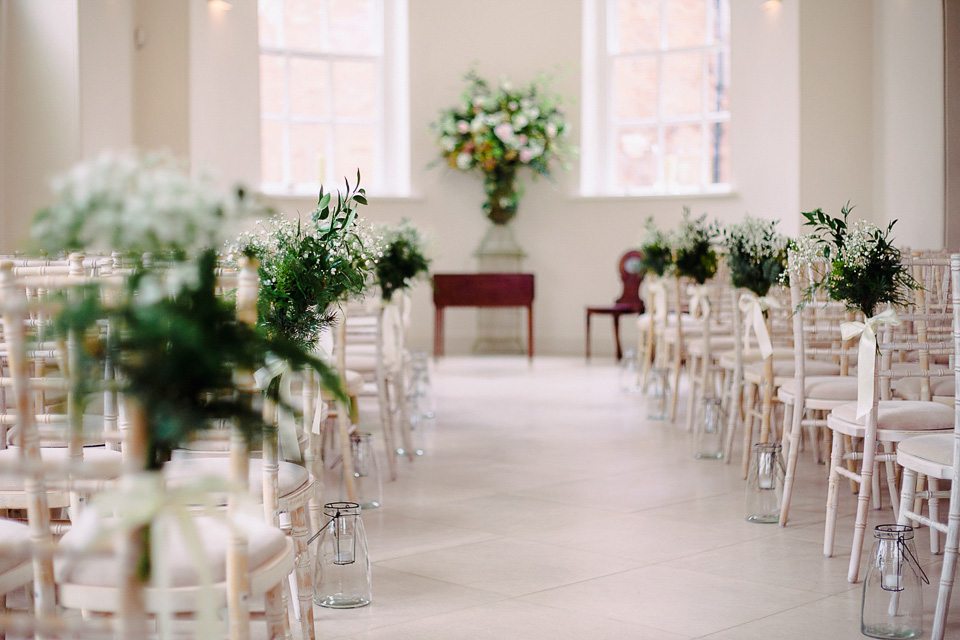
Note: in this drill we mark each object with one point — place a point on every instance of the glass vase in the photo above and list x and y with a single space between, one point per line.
657 408
629 377
367 479
341 564
765 483
893 591
709 429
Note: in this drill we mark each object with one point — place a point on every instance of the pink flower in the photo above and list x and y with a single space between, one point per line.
526 155
504 131
462 126
521 140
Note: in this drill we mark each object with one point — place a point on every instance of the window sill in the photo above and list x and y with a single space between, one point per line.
299 197
656 197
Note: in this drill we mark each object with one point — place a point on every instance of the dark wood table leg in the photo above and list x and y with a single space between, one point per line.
530 332
438 333
588 334
616 335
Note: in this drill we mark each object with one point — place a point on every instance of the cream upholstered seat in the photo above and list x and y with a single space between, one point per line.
895 415
181 471
931 454
269 552
818 387
16 561
910 388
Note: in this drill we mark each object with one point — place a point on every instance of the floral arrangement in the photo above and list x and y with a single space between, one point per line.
307 267
865 269
404 258
135 204
756 254
694 256
499 131
657 254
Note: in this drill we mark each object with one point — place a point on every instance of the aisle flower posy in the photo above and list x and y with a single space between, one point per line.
756 254
655 246
500 130
693 253
404 257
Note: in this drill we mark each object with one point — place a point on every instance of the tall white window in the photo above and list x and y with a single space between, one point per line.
656 86
333 95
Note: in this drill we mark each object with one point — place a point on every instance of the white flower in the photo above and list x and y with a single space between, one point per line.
526 155
551 130
464 161
477 123
520 121
463 126
513 105
448 144
504 131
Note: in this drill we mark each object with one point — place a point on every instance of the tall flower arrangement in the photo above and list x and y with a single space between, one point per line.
756 254
404 258
655 246
865 268
308 266
694 255
500 130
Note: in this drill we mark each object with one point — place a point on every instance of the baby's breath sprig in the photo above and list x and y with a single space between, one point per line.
694 255
756 254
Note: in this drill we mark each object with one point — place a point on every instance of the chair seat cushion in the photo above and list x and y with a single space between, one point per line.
354 385
51 435
181 471
779 353
824 388
909 388
54 454
934 451
13 533
718 343
786 368
687 321
265 542
902 415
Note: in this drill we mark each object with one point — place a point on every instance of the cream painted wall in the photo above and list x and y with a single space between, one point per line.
224 95
106 75
161 85
836 106
908 114
41 107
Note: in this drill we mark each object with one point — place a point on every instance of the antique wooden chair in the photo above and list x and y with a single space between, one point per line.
629 301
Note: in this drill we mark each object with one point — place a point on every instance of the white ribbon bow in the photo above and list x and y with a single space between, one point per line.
699 300
752 308
286 422
866 355
658 293
143 500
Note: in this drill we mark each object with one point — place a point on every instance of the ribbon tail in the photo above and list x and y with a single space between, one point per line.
760 328
866 362
287 422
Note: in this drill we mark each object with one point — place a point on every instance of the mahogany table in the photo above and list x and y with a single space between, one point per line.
481 290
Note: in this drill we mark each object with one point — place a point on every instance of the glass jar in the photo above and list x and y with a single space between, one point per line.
892 591
765 483
341 564
709 427
657 408
629 377
367 479
420 384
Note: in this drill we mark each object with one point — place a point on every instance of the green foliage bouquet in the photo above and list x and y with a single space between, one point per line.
307 267
756 254
657 254
404 258
694 255
499 131
865 269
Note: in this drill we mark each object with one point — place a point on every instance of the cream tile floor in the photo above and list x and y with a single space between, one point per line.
548 506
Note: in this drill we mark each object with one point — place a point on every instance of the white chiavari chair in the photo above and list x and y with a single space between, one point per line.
935 456
887 422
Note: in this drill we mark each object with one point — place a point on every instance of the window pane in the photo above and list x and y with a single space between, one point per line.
353 26
308 152
683 151
718 87
271 151
721 21
354 89
638 25
719 152
635 87
309 88
303 24
682 83
354 148
271 84
636 157
686 23
271 20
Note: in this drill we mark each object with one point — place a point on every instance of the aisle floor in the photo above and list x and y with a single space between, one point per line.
548 506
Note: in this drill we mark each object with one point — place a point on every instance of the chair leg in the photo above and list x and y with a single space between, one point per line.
934 504
851 463
750 398
304 572
948 572
274 613
891 470
675 391
833 491
696 390
863 505
792 429
734 399
908 488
